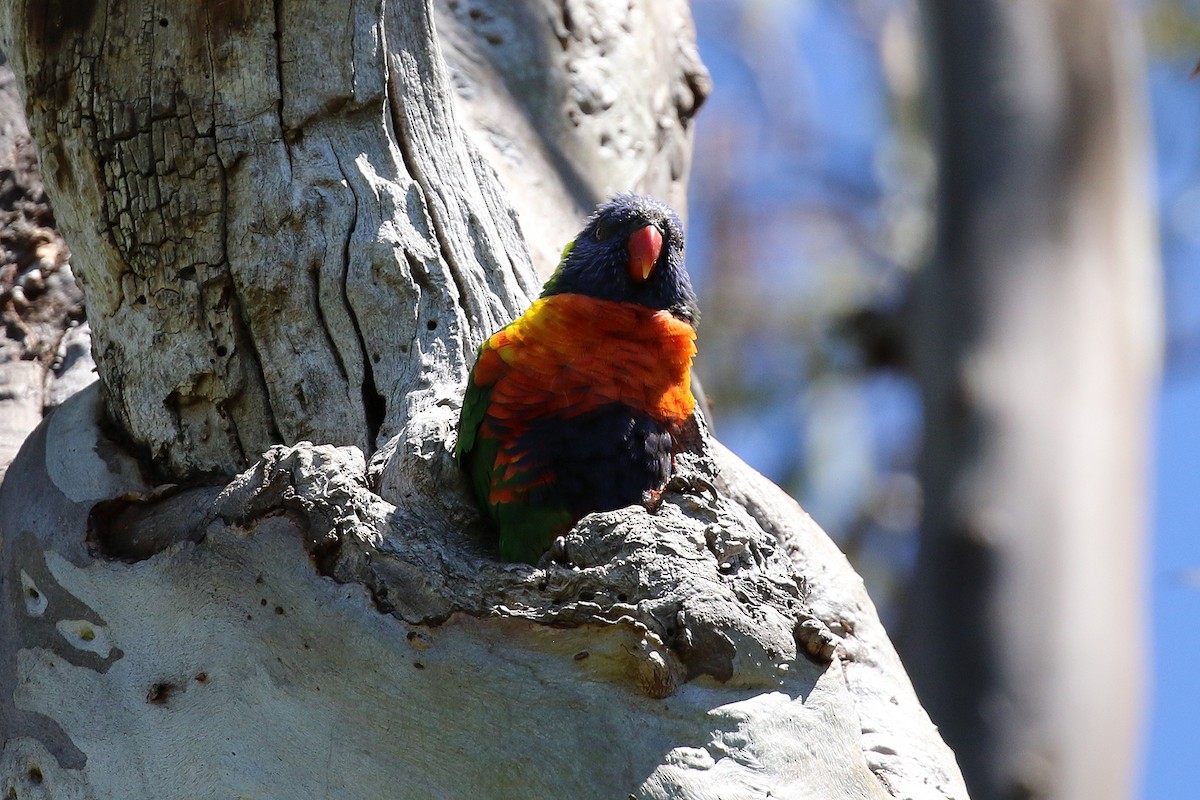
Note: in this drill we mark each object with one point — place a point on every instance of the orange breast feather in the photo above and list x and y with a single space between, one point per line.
569 353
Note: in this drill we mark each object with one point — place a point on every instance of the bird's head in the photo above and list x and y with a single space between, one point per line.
630 251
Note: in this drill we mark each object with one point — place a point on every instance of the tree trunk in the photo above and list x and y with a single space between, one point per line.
286 233
1038 350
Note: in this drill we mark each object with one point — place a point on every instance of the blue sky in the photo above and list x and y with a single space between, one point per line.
1174 723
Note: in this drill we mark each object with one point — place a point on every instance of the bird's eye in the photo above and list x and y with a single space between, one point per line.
605 229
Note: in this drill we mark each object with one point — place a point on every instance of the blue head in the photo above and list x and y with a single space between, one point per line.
630 251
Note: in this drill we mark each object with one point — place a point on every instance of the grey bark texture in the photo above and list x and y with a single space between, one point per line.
288 231
1037 346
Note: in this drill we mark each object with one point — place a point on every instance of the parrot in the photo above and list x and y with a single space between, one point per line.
580 404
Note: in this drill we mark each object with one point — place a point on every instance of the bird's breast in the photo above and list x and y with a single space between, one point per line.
569 354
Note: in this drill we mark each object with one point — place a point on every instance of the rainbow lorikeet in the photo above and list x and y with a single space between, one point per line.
579 404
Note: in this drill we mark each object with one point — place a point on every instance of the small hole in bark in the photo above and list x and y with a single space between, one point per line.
35 774
222 350
587 596
403 348
187 273
33 593
622 597
581 655
141 299
159 692
279 610
262 602
431 324
201 677
418 665
258 578
162 23
542 586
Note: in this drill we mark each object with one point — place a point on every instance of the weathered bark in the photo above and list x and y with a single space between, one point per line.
1037 351
285 232
288 213
278 212
721 649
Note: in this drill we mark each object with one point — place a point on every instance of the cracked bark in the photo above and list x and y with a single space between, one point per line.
276 220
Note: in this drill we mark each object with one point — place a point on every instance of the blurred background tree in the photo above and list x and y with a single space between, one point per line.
823 191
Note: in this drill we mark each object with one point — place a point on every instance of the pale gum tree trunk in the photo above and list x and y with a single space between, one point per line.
1037 348
287 233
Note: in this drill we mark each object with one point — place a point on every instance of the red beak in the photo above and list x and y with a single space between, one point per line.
645 245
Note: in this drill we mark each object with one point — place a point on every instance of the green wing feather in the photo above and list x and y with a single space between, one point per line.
475 454
526 530
474 407
548 289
